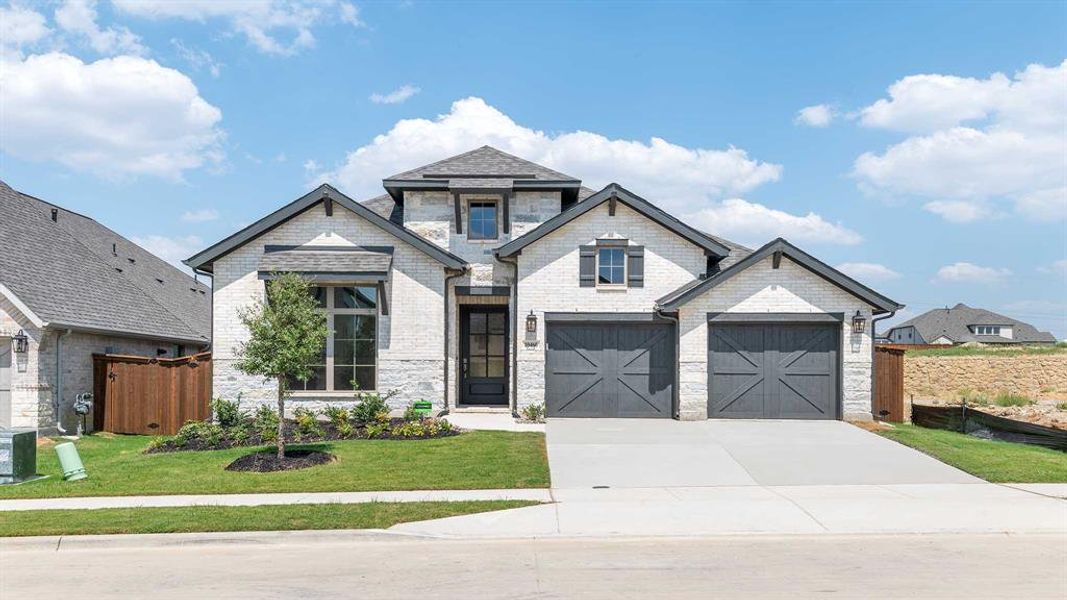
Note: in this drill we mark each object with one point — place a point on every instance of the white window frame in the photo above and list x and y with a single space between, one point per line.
987 329
625 268
331 311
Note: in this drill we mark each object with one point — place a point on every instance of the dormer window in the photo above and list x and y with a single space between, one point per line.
482 220
987 329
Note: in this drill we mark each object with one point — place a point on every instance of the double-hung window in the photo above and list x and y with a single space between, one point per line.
611 267
349 359
482 220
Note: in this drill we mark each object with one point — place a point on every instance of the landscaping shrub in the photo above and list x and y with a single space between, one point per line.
227 412
533 412
198 433
1012 400
1061 406
339 418
307 424
410 414
265 423
421 428
368 407
376 429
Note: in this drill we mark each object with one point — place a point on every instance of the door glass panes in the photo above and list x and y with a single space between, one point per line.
611 267
487 344
481 221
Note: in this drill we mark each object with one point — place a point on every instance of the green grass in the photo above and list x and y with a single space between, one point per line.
375 515
1012 400
473 460
1060 348
998 462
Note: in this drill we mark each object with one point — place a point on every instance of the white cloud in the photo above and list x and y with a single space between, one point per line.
1058 267
200 216
311 167
865 271
280 27
198 59
976 140
965 272
115 117
679 179
958 211
396 96
20 26
755 224
819 115
171 249
78 17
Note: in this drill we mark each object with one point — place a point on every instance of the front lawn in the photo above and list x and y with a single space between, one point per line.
374 515
994 461
117 466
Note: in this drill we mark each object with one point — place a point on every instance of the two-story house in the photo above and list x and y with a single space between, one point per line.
485 280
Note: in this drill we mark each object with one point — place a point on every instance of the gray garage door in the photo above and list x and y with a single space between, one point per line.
609 369
773 371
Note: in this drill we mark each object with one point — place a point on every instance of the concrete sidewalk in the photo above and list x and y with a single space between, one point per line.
537 495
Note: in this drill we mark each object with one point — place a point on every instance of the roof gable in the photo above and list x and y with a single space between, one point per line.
611 193
325 192
781 247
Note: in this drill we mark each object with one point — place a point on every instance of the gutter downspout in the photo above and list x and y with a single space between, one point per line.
448 278
675 395
513 379
874 328
57 398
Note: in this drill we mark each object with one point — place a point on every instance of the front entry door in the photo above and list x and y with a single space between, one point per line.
484 355
5 382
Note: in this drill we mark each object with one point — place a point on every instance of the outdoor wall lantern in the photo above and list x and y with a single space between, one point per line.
531 328
859 323
21 342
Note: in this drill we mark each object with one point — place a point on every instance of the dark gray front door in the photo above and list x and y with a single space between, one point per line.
484 355
5 382
773 371
609 369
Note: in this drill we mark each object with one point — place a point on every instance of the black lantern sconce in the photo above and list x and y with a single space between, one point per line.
859 323
531 328
20 342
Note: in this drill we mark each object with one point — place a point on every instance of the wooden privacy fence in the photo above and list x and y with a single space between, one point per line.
888 393
149 395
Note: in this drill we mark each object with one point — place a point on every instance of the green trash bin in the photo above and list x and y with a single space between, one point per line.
423 407
71 463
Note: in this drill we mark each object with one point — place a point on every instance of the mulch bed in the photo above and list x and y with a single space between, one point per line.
267 462
292 436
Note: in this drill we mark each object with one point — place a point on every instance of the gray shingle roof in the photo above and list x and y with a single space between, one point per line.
74 272
954 323
327 260
484 162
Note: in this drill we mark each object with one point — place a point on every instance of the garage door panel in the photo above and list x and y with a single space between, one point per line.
772 370
609 369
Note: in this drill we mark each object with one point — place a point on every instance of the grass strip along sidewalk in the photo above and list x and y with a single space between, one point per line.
994 461
374 515
117 466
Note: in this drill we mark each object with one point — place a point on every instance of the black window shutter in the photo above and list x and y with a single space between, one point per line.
587 266
635 256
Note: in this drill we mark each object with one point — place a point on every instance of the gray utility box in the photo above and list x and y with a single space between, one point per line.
18 454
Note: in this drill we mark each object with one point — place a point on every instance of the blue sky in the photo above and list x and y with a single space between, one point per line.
920 147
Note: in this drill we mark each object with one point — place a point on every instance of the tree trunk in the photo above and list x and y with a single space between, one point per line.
281 419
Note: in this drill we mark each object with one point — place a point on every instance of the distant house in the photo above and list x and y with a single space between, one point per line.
962 324
69 288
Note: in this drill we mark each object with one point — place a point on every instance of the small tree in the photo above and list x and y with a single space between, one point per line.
287 334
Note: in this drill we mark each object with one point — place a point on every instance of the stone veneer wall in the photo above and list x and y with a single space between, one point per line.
548 279
790 288
1033 375
410 338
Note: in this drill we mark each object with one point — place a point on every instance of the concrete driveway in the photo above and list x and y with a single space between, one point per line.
653 453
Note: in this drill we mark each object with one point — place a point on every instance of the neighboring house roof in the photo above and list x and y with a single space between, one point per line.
204 259
483 169
955 324
779 247
615 192
75 273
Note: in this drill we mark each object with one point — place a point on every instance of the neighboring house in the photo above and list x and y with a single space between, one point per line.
484 280
69 288
962 324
